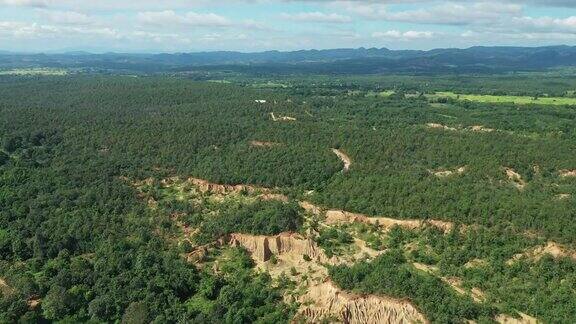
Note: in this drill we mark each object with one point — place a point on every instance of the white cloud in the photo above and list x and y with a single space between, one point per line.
407 35
24 3
171 18
457 14
253 24
445 14
186 25
23 30
66 17
546 24
317 17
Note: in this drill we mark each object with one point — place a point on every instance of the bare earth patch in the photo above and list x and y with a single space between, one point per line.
446 173
524 319
4 288
515 178
303 262
264 144
567 173
480 128
475 263
551 248
455 283
206 186
345 159
320 299
335 217
298 257
563 196
326 301
281 118
440 126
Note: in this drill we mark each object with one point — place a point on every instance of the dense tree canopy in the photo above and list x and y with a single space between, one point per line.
76 237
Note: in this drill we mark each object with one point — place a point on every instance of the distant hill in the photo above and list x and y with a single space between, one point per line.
333 61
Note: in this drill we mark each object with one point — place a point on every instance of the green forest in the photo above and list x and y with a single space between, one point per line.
79 243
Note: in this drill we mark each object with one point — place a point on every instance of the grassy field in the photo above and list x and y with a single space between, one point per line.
520 100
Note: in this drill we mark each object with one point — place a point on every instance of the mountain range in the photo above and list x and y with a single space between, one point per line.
332 61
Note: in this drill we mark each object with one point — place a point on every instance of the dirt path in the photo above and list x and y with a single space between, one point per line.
453 282
264 144
281 118
345 158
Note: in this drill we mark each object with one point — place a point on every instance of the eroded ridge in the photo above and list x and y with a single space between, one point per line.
335 217
322 299
298 257
262 248
328 301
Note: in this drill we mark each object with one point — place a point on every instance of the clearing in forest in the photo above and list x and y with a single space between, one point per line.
515 178
440 126
264 144
345 159
325 239
443 173
567 173
281 118
519 100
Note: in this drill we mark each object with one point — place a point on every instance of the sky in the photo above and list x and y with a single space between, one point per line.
149 26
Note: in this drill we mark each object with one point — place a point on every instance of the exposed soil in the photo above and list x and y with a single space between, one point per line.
264 144
319 298
551 248
524 319
281 118
345 159
474 128
475 263
4 288
298 257
447 173
440 126
325 301
33 302
563 196
206 186
480 128
568 173
263 247
335 217
515 178
455 283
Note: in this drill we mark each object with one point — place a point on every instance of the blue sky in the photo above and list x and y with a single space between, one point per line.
256 25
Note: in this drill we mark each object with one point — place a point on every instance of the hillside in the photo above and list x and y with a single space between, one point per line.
334 61
161 199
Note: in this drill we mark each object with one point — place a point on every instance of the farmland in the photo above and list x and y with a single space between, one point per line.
519 100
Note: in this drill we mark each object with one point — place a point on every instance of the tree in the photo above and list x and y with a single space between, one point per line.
136 313
11 144
4 158
56 304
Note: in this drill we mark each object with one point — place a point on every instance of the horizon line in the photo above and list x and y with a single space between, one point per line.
71 52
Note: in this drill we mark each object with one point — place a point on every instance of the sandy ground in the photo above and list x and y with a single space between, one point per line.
281 118
515 178
345 159
447 173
